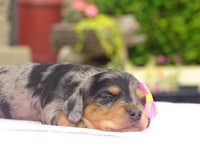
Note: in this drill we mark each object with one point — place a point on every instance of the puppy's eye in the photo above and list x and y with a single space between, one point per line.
107 99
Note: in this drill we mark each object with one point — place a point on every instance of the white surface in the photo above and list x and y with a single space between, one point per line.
176 126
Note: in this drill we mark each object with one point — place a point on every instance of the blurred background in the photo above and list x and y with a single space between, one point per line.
158 41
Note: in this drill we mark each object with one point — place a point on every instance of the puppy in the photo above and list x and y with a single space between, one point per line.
73 95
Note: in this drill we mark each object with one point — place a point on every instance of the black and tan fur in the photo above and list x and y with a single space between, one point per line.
72 95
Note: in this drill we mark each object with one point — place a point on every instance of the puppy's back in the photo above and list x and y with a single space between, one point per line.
26 89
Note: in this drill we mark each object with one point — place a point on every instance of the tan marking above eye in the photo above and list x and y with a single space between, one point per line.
114 90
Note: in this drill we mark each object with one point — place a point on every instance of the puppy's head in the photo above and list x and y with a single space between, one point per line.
113 101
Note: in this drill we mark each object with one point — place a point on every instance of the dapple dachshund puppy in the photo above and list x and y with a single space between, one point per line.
73 95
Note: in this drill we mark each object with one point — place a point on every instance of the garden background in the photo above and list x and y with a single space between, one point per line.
168 60
172 28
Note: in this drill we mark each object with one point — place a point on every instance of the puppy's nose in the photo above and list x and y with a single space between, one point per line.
135 114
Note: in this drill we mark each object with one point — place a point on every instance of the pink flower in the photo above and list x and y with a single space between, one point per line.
79 5
91 10
163 59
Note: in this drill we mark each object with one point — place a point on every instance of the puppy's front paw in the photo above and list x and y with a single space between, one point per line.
63 121
75 115
81 124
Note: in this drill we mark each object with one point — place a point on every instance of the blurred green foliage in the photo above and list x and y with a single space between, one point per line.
109 37
172 27
99 24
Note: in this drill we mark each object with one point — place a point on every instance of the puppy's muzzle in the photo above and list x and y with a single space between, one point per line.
135 114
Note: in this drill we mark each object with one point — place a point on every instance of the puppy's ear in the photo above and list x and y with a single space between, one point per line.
74 105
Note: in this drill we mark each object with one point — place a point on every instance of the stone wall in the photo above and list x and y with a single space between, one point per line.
5 23
10 54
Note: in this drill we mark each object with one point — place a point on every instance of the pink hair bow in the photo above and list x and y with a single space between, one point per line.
149 105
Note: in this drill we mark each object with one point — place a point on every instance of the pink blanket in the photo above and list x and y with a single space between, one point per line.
176 126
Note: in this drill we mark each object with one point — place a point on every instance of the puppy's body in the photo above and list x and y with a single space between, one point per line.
26 89
72 95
